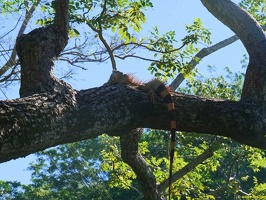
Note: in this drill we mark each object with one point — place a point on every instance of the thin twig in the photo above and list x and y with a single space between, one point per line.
100 34
11 61
146 47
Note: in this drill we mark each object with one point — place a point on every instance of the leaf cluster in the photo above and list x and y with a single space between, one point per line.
8 7
171 59
256 8
227 87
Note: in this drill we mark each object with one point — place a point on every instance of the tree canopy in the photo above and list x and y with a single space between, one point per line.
219 120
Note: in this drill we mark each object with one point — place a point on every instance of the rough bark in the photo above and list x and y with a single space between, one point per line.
52 113
40 121
37 52
131 155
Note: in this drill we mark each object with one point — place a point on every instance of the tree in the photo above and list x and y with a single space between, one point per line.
51 112
94 169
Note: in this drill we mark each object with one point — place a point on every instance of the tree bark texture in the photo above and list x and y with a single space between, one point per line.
131 155
37 52
52 113
44 120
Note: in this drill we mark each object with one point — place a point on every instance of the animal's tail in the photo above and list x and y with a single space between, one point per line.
166 96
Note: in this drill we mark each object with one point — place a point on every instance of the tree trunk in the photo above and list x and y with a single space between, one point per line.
52 113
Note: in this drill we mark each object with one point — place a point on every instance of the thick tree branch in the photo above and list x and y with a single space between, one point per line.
37 52
61 17
254 40
52 113
38 49
48 119
131 155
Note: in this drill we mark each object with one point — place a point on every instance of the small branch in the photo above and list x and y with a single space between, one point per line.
100 34
109 50
124 182
81 58
244 193
232 186
189 167
199 56
103 11
222 189
141 58
231 168
6 78
11 29
146 47
11 61
3 93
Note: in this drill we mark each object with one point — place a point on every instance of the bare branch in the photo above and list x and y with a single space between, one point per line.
11 29
144 45
232 184
190 166
235 158
11 61
139 57
199 56
7 77
100 34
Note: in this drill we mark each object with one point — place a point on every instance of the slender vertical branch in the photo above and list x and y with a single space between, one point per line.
11 61
189 167
61 17
99 31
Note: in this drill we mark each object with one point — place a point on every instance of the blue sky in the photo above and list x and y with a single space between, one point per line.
167 15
